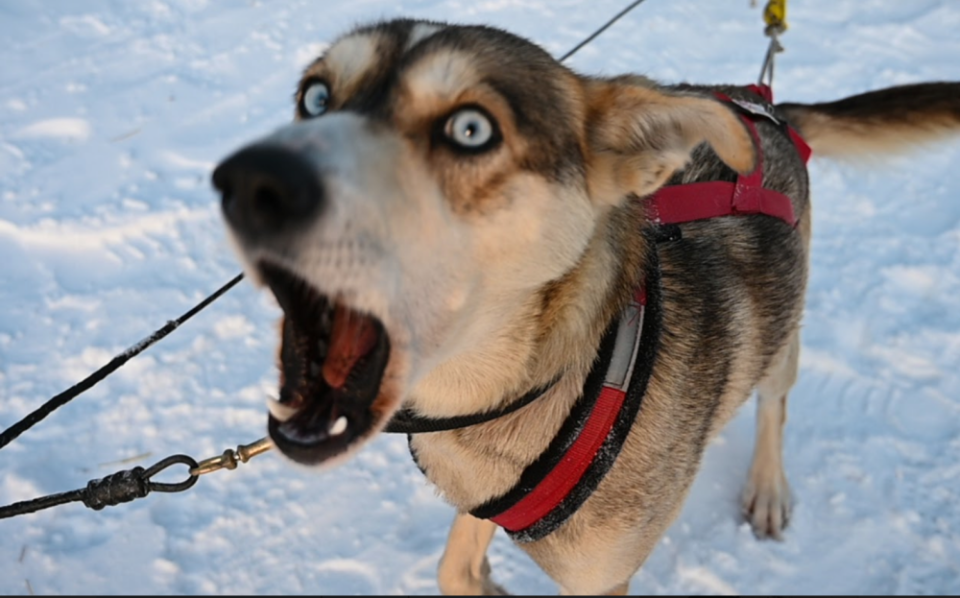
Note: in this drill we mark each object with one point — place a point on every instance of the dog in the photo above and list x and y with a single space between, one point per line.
468 243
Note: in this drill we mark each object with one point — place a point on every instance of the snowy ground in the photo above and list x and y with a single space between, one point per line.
111 116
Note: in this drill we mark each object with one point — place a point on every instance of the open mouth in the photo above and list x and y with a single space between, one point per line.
332 363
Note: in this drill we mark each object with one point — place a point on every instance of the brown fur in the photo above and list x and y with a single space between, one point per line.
576 149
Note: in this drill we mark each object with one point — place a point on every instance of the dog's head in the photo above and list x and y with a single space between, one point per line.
436 178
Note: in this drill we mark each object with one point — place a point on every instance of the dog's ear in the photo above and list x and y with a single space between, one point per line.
638 136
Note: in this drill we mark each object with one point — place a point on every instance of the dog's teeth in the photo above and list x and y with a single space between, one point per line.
339 426
279 411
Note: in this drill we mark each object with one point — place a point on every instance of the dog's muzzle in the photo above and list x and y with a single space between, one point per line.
333 356
267 190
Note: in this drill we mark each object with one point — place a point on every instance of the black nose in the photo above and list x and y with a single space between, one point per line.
267 189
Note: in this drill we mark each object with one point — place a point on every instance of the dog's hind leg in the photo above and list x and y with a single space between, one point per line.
766 499
464 569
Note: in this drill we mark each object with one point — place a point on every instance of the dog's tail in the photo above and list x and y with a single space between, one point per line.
878 122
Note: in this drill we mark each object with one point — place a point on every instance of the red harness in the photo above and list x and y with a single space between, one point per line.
551 489
567 474
698 201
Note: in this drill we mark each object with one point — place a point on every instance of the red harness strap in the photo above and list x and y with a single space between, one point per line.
581 454
765 92
677 204
557 484
567 474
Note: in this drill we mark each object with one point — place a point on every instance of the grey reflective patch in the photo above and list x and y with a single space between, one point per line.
625 347
755 108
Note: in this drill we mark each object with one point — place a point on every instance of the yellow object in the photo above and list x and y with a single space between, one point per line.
775 14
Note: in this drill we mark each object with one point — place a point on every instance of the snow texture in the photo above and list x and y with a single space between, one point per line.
112 115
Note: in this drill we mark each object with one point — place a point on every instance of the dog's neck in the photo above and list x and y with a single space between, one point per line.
560 329
530 339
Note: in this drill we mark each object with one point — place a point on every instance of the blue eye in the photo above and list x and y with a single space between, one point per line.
469 128
315 99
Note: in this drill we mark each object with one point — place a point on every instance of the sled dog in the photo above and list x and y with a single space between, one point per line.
560 285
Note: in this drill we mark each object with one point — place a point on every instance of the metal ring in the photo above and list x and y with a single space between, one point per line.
161 465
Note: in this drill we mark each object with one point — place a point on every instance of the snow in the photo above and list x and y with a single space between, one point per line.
63 128
112 115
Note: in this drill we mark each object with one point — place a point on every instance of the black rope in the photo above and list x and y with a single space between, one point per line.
87 383
123 486
602 28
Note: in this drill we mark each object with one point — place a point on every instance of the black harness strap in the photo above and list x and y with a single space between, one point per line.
406 421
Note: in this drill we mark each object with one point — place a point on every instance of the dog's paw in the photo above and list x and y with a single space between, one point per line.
767 504
463 581
471 587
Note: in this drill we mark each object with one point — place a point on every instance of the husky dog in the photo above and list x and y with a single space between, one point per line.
459 229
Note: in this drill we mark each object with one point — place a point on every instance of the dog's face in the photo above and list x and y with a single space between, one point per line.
435 179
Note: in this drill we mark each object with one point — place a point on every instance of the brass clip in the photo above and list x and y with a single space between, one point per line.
231 458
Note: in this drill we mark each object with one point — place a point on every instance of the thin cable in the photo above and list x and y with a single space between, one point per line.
766 72
87 383
601 30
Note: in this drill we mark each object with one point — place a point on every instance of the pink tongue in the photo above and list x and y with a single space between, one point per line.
353 337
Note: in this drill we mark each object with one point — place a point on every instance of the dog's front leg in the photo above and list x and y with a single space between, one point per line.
464 569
